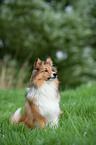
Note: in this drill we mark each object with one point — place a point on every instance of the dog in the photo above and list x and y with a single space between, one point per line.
42 97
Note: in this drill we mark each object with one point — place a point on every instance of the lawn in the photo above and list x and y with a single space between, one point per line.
77 125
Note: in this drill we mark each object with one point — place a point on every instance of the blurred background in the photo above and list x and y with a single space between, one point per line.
65 30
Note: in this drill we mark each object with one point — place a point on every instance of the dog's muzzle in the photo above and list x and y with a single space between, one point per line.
53 76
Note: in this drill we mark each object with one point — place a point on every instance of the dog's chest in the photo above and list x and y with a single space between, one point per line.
47 100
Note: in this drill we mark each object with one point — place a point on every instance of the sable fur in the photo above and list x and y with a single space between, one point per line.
42 99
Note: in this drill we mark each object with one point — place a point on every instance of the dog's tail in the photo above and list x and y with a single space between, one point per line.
16 116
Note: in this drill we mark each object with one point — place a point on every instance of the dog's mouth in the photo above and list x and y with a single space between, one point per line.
52 78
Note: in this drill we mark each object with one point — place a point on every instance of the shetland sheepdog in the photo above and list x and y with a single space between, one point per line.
42 97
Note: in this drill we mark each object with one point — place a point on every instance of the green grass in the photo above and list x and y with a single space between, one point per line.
77 125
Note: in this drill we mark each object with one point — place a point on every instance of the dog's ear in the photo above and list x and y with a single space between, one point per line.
37 63
49 61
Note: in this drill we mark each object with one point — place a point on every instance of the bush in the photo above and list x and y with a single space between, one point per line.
48 28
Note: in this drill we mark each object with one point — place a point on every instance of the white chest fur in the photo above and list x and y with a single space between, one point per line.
47 101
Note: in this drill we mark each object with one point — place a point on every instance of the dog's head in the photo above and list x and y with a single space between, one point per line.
43 71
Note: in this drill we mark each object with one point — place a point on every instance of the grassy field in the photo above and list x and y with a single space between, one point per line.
77 125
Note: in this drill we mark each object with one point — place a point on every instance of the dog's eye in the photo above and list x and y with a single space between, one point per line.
46 70
54 69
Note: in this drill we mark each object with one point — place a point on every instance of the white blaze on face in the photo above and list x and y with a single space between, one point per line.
52 75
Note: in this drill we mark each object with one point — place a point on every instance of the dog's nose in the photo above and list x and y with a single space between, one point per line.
54 74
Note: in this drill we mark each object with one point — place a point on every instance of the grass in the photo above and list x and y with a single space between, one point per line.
77 125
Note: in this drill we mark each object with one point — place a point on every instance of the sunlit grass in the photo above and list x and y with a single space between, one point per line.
77 125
